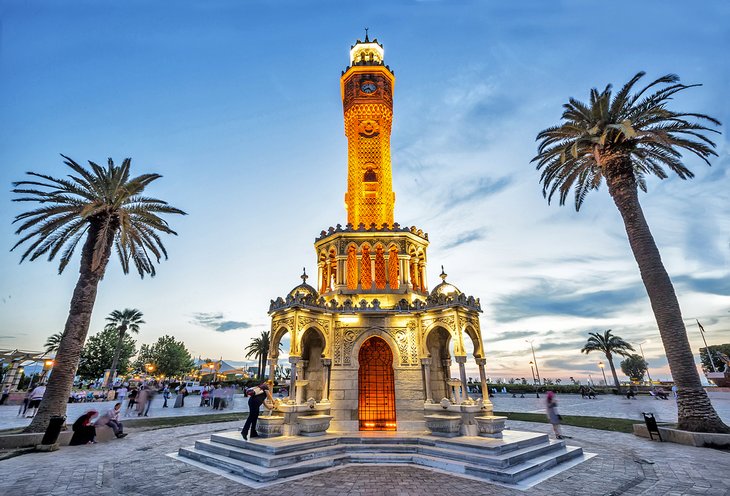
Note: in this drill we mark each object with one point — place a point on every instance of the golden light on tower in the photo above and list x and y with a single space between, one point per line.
367 101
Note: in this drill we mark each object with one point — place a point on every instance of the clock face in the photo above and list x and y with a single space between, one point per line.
368 87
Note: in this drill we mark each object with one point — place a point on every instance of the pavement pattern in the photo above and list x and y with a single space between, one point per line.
137 465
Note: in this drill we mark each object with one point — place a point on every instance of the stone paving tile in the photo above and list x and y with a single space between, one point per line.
137 465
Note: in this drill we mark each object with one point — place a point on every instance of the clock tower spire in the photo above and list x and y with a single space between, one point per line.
367 101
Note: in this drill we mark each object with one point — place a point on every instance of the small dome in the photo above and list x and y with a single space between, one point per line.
304 289
445 288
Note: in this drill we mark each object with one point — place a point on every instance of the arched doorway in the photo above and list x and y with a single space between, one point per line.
376 405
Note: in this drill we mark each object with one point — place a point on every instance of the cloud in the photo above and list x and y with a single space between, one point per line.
216 322
504 336
475 190
5 336
464 238
552 298
717 286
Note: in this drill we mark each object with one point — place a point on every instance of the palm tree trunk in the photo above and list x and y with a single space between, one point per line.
115 361
609 358
694 409
77 327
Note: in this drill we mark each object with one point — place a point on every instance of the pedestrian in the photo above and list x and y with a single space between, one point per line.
151 393
84 430
142 400
122 393
217 396
631 394
35 399
132 400
165 395
674 391
24 405
111 418
256 397
180 398
551 408
5 394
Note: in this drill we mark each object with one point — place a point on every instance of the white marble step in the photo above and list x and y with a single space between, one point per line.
510 458
509 475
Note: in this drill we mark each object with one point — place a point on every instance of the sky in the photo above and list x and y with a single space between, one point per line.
237 105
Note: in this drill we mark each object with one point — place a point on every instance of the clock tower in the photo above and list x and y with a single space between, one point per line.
367 101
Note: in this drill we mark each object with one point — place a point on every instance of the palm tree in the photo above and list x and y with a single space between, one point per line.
106 208
622 138
52 342
609 345
259 348
128 319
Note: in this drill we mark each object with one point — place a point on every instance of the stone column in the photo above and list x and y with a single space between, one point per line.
273 361
461 360
481 362
426 364
301 377
446 366
293 360
326 364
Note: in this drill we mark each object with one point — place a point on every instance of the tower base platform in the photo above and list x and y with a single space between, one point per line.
520 459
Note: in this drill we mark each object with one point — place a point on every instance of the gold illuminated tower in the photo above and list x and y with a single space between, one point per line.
367 101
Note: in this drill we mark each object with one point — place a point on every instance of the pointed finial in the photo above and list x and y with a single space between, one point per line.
443 274
367 40
304 275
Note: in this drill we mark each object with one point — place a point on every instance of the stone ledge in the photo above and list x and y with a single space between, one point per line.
699 439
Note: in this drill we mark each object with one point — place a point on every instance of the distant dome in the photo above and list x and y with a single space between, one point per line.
445 288
304 289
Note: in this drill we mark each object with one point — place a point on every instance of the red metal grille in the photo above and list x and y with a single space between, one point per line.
376 386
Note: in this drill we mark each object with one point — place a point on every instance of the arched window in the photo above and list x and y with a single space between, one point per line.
370 176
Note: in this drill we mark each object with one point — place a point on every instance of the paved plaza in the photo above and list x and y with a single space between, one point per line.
610 406
9 418
568 404
138 465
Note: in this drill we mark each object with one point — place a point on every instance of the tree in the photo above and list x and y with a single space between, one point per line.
104 207
259 348
634 366
128 320
53 341
715 350
609 345
622 138
99 351
170 357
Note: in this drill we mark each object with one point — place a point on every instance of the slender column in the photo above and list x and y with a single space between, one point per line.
301 376
422 277
461 360
426 364
372 271
481 362
446 364
326 364
293 360
273 361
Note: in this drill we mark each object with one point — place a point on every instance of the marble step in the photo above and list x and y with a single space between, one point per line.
510 475
510 458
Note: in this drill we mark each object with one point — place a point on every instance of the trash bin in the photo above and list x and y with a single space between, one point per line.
54 429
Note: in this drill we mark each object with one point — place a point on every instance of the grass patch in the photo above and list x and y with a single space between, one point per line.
600 423
167 422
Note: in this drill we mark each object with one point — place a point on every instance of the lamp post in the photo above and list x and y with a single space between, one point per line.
537 370
532 368
211 366
644 358
47 366
601 366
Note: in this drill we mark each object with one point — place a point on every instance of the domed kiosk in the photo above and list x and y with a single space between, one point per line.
371 348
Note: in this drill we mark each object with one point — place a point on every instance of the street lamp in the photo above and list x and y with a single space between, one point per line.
644 358
532 368
601 366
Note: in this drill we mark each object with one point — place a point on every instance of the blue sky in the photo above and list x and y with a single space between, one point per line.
237 105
